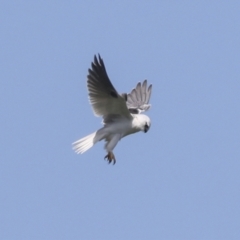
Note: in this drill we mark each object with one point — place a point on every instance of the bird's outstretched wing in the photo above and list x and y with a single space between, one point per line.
104 98
138 99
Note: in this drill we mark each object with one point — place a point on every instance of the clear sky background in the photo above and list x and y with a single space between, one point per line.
181 180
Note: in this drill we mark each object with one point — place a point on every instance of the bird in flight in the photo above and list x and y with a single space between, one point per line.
121 113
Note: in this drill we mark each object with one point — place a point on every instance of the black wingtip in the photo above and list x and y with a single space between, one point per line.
97 58
100 61
97 61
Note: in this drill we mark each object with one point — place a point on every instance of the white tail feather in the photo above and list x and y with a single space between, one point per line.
83 144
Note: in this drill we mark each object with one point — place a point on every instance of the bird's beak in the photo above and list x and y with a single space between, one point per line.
146 127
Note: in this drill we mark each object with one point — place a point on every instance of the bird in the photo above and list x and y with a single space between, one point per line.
121 113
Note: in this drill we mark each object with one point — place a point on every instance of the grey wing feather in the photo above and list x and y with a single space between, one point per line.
103 96
138 99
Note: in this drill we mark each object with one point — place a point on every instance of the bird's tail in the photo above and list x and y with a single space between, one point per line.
83 144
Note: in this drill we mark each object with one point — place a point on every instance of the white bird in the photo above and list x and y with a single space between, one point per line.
120 113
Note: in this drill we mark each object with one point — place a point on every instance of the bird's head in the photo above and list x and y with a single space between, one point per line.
144 122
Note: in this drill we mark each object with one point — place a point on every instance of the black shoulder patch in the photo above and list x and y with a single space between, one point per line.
133 110
113 94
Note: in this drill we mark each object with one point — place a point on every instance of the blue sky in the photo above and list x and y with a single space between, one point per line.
180 180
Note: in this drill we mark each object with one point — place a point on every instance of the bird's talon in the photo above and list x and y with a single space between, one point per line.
110 158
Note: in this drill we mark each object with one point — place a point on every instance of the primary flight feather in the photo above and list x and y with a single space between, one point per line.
121 113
